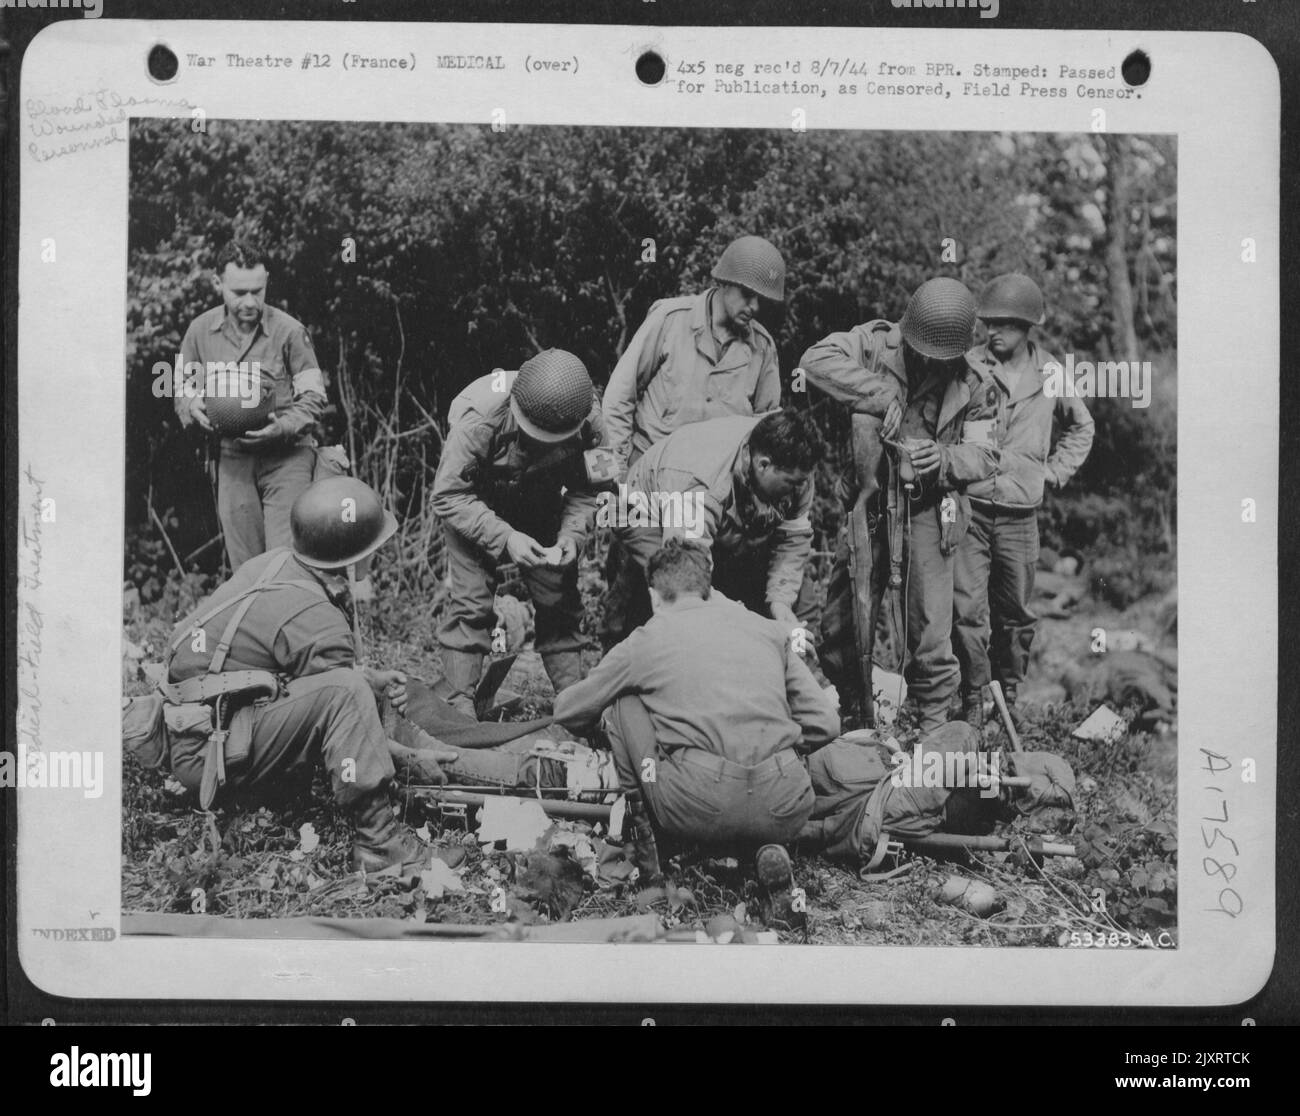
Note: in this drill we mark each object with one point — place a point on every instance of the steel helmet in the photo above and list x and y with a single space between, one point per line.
1012 296
338 521
939 319
237 398
551 396
755 263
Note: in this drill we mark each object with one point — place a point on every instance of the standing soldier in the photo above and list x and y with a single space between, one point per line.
911 382
512 486
996 559
696 357
260 472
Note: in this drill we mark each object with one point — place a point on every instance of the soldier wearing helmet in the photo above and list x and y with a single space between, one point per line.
994 577
272 657
696 357
261 470
512 486
912 382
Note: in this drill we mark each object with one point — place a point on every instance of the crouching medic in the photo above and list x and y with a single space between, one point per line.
264 683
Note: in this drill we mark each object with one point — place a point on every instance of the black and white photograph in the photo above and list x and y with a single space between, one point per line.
505 511
689 534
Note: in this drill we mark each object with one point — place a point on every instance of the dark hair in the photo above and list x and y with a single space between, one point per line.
789 439
241 253
680 567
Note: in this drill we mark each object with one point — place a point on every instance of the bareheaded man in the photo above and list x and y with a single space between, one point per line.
696 357
708 711
247 346
270 662
911 379
743 487
513 487
994 577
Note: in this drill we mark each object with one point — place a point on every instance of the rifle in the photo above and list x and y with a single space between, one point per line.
459 800
867 451
948 843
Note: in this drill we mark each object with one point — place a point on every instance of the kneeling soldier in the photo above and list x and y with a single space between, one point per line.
707 709
271 658
741 485
512 486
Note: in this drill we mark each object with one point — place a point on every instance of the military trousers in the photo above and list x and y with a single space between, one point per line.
255 493
331 717
932 670
699 798
993 584
473 575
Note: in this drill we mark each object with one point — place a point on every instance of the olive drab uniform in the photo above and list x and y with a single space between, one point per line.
489 484
865 368
708 711
759 550
994 577
296 630
256 487
674 372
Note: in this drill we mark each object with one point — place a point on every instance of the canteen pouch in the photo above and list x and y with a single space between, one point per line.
144 732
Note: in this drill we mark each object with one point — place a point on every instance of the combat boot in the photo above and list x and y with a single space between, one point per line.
640 835
563 668
461 670
381 840
776 880
972 708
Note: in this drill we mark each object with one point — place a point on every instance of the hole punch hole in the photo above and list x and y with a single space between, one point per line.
162 64
1136 68
650 68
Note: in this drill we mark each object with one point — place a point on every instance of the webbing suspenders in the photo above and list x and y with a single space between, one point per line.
245 600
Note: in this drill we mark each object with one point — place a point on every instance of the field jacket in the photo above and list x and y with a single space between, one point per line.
671 374
490 482
1019 423
864 367
712 458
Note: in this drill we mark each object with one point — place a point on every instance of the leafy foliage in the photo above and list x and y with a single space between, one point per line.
422 256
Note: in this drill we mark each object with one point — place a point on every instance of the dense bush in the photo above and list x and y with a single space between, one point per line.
422 256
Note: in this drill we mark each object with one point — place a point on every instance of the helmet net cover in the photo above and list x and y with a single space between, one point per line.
939 321
237 399
755 263
553 391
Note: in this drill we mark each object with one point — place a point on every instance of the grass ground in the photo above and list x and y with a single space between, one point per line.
269 864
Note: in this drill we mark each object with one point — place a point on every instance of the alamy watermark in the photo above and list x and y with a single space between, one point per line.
935 768
53 770
90 9
674 512
216 379
1103 379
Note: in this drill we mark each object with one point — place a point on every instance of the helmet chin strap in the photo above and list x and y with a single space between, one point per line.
357 646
